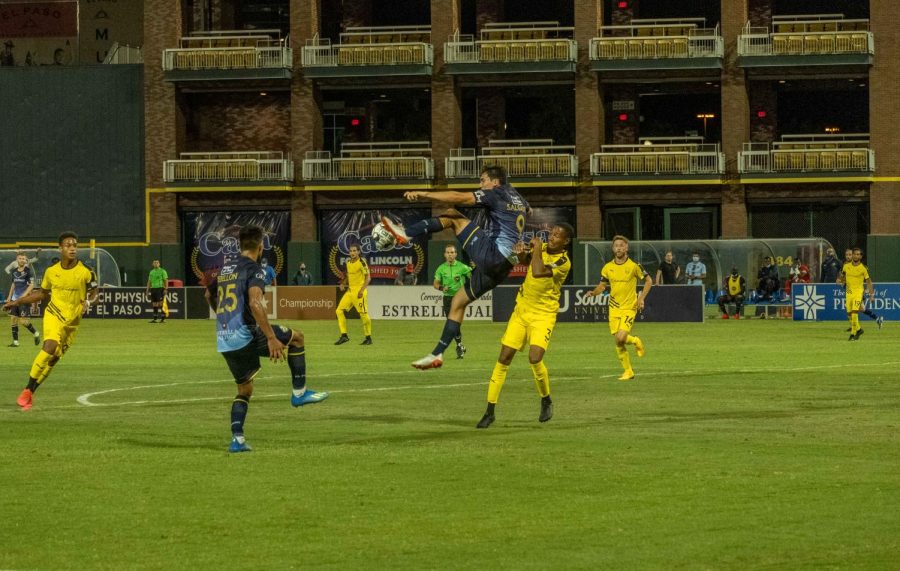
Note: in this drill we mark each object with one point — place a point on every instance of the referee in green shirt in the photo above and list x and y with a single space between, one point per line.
157 284
449 277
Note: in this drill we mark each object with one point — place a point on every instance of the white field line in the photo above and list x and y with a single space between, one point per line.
85 399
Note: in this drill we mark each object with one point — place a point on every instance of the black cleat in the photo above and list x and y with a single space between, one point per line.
485 421
367 341
859 334
546 410
852 337
342 339
460 350
154 321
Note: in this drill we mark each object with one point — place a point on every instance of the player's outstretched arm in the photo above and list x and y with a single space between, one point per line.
448 196
648 283
258 309
38 295
601 287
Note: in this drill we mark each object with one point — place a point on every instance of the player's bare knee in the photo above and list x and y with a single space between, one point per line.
506 355
246 389
50 346
535 355
296 338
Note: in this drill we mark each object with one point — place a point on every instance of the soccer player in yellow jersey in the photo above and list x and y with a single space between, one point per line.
534 317
621 276
855 275
69 288
356 280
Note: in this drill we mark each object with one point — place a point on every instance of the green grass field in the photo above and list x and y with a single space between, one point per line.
751 444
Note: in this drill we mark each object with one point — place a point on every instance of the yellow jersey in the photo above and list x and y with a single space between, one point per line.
855 278
68 289
357 272
541 295
622 280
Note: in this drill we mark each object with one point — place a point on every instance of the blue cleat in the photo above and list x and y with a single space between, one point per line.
239 446
309 397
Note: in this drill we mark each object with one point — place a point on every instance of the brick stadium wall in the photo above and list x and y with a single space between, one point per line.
735 121
884 112
589 119
239 122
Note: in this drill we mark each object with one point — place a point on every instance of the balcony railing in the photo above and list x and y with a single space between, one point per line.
659 156
809 154
122 54
229 50
828 34
513 42
371 161
658 39
229 167
372 46
522 158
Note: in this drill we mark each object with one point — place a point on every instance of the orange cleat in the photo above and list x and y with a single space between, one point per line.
24 399
395 230
724 316
737 315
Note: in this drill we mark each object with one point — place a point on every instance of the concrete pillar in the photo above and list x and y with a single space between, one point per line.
306 117
884 113
736 116
446 109
162 29
589 119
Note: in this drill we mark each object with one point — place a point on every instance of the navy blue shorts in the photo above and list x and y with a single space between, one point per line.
20 311
244 362
491 266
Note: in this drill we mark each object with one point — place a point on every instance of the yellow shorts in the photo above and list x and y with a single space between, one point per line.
59 331
854 303
621 320
351 299
528 328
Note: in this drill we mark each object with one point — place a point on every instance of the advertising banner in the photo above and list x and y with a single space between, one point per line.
674 303
103 22
341 229
38 33
134 303
211 239
541 221
420 302
828 302
307 302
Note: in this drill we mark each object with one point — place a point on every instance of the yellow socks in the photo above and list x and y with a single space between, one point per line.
498 377
630 340
854 323
622 354
39 365
541 378
366 323
342 321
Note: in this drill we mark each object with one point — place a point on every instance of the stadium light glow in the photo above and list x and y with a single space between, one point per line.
761 114
354 122
623 117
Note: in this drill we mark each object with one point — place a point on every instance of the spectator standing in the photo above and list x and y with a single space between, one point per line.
448 278
695 271
735 290
831 267
157 285
668 272
269 271
302 277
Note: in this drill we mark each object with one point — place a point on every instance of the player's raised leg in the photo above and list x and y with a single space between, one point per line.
301 395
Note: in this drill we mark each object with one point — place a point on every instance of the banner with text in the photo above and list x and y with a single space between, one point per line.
38 33
420 302
675 303
134 303
306 302
211 239
828 302
344 228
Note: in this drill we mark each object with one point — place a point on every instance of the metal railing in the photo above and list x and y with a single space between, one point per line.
319 52
512 42
766 158
228 167
657 41
320 165
229 52
550 161
123 54
691 159
757 41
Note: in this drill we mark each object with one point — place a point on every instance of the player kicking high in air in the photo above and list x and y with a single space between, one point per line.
621 276
244 334
491 248
69 288
534 317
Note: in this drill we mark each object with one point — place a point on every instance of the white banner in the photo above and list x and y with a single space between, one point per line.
420 302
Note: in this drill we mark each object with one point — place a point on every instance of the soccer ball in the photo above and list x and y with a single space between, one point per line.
384 240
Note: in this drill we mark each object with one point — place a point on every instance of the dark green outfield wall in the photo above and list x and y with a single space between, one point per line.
72 152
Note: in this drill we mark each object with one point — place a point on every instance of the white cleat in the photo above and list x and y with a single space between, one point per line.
395 230
429 362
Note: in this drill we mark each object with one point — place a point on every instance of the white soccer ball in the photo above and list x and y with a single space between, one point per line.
384 240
